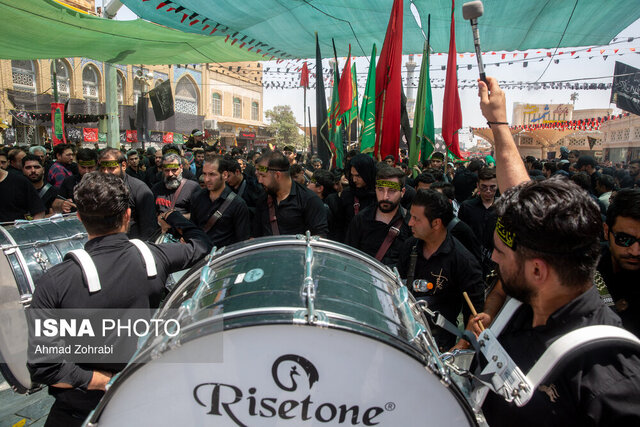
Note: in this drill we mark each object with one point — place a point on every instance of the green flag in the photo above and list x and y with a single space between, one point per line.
368 110
335 123
426 137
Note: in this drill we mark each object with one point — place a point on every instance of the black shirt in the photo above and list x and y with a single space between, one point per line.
234 224
18 198
250 191
68 185
624 287
464 183
451 270
165 198
596 387
143 211
483 223
348 201
152 176
334 218
124 284
466 236
141 175
48 196
367 234
302 210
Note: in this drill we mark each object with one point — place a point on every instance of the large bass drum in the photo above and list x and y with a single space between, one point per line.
287 330
29 248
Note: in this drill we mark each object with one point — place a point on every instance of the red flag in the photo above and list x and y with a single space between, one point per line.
389 87
304 76
345 91
451 112
90 134
167 138
132 136
57 124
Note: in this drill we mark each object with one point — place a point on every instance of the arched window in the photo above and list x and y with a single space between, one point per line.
216 104
24 76
237 108
254 111
121 87
186 97
90 83
62 77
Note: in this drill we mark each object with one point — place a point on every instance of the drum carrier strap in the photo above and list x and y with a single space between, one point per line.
90 273
218 213
242 188
356 205
394 231
44 189
273 219
174 199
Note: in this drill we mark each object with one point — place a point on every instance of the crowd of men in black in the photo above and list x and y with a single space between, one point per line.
435 222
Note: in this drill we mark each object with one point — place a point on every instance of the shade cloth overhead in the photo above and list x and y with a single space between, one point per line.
288 26
38 29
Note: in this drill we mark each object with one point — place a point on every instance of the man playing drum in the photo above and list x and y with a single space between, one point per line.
123 282
547 247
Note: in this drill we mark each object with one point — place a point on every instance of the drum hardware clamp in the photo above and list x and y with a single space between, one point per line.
42 259
311 316
26 299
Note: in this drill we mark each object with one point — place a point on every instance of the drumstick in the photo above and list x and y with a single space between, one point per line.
473 310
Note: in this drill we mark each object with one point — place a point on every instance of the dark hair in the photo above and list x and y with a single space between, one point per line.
13 153
275 160
550 166
447 189
31 157
229 164
112 152
388 172
576 153
625 203
475 165
486 174
586 161
171 147
634 161
60 148
437 173
215 159
437 155
295 169
606 181
529 159
102 201
390 156
583 180
425 178
352 153
86 154
537 164
326 179
436 205
556 222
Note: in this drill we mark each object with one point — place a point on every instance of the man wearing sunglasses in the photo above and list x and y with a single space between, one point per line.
620 261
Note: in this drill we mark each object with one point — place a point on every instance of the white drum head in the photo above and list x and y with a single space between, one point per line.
283 375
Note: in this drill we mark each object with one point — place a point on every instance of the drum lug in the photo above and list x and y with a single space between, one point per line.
26 299
42 260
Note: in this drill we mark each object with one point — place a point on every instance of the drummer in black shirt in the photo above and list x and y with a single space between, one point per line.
19 199
174 191
216 209
34 172
123 283
287 207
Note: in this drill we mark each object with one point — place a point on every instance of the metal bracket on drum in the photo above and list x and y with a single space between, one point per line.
310 315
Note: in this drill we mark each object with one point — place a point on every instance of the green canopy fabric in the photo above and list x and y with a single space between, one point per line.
286 28
39 29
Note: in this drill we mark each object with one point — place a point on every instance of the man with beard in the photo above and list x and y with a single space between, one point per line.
87 162
245 187
634 172
34 171
287 207
381 230
546 245
217 209
436 266
143 224
134 168
361 191
198 161
16 155
61 168
619 264
174 192
152 174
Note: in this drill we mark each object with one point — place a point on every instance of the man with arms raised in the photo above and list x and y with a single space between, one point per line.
381 230
122 282
547 246
143 223
287 207
219 211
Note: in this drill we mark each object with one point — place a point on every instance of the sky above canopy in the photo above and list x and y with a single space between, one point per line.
287 27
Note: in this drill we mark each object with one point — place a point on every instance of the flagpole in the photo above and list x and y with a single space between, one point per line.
311 134
379 134
305 120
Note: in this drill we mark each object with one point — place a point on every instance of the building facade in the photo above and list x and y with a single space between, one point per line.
621 139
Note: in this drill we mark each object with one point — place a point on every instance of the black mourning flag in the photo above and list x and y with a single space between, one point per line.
162 101
625 92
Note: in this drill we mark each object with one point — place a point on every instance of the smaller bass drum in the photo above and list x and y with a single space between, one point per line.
29 248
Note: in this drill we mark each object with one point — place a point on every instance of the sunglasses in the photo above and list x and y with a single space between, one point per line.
625 240
488 187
